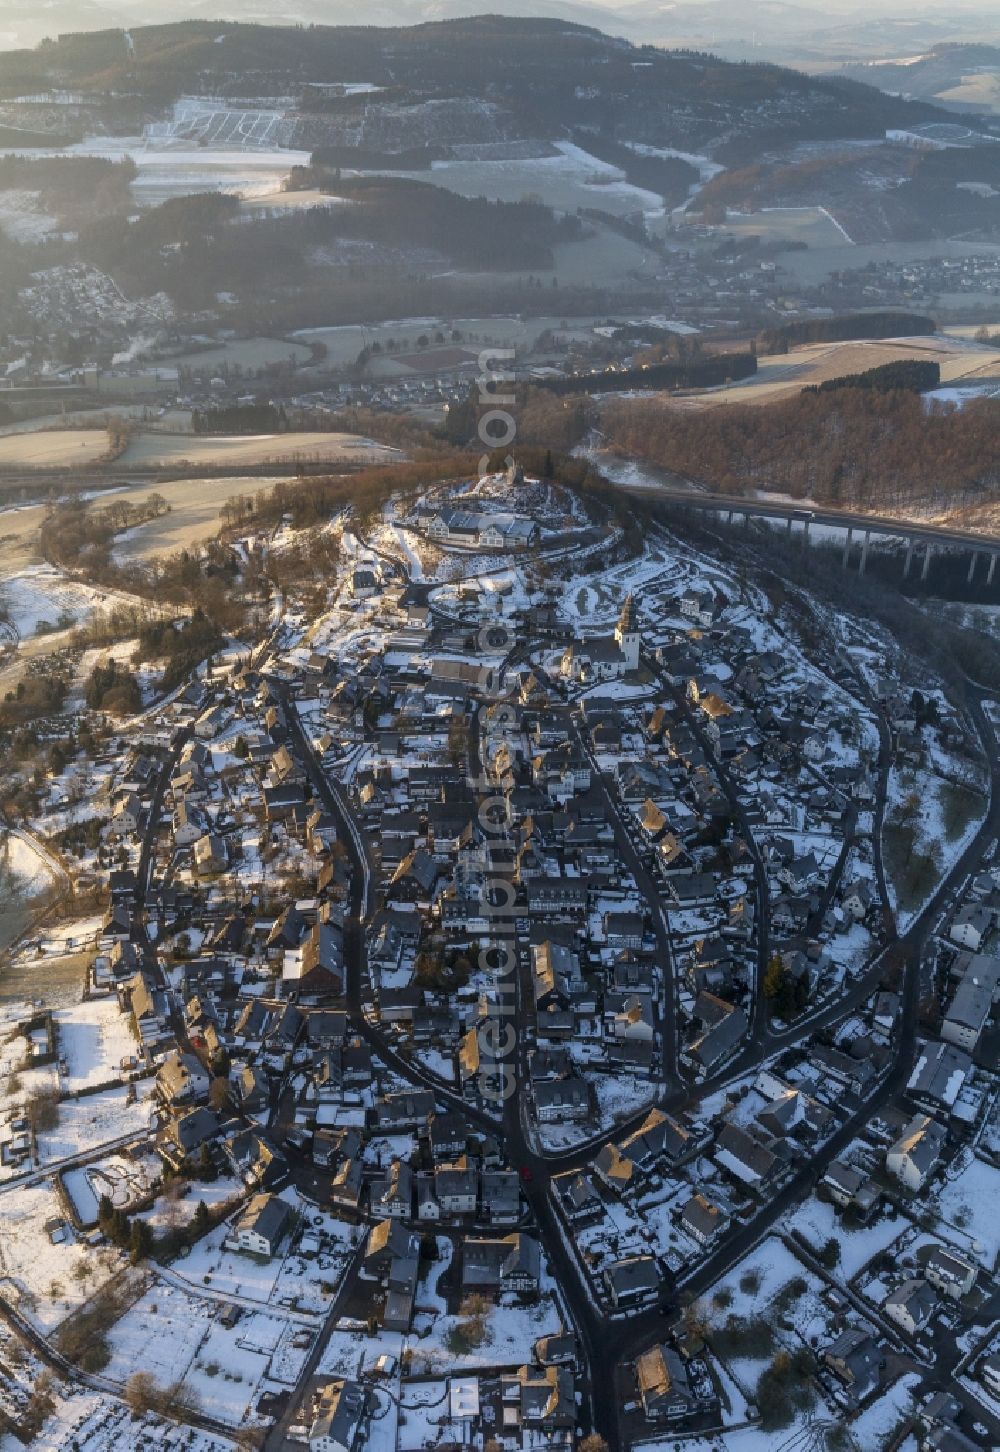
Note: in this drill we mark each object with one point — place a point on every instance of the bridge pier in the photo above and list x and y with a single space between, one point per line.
788 525
729 516
927 560
972 567
805 533
992 568
847 547
864 551
909 559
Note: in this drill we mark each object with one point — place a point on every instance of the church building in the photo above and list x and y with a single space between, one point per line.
606 658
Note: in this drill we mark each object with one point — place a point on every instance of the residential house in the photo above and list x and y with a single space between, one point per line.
263 1224
970 925
340 1418
915 1154
939 1075
663 1385
456 1187
745 1157
394 1196
631 1282
855 1358
182 1078
701 1219
509 1264
911 1306
949 1272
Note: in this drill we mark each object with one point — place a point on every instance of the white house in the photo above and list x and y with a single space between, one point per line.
914 1156
951 1274
699 605
911 1306
126 814
970 926
262 1226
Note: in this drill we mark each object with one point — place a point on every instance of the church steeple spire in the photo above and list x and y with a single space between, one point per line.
627 634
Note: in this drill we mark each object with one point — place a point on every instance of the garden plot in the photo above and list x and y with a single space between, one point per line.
849 951
93 1037
768 1301
817 1222
426 1408
87 1422
346 1353
46 1277
289 1352
96 1120
124 1181
451 1342
178 1206
79 793
174 1336
968 1203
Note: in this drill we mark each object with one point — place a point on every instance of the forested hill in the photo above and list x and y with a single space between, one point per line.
544 78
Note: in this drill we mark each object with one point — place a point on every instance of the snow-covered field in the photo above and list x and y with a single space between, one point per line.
168 169
967 1203
26 863
569 179
175 1336
96 1120
22 217
55 449
45 1278
154 448
94 1037
41 596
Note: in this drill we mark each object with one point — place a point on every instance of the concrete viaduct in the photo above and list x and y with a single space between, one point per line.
920 539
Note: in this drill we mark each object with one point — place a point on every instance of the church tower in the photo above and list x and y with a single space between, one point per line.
627 635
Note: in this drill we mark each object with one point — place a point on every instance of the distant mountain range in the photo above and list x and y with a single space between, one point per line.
805 33
490 87
543 79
